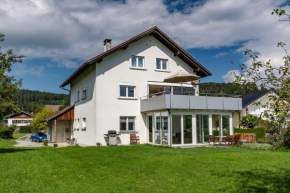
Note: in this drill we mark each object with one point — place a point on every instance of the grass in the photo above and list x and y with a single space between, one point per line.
142 168
17 135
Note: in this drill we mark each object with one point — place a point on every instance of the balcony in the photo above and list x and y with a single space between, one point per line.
191 102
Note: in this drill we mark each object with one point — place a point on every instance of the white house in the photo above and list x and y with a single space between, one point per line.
123 89
250 107
19 119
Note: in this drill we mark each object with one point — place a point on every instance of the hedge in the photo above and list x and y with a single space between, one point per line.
259 131
6 132
25 129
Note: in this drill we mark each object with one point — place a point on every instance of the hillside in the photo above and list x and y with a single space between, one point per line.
226 88
33 101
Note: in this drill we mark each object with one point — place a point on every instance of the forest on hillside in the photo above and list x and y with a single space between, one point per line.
226 88
34 101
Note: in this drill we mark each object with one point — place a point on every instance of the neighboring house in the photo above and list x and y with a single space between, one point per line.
19 119
53 107
249 106
123 89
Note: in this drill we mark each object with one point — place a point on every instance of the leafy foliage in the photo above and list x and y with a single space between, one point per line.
65 103
259 131
277 79
226 88
250 121
6 132
8 84
44 113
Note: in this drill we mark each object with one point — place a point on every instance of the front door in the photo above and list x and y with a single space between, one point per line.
67 133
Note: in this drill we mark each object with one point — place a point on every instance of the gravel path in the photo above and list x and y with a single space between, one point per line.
25 142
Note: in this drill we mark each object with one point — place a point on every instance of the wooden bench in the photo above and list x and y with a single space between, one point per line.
248 137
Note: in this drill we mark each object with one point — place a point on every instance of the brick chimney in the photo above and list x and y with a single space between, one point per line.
107 44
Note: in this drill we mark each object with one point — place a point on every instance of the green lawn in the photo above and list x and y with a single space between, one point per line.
17 135
142 168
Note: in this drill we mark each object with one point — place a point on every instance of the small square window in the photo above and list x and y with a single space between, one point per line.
127 91
127 123
161 64
137 62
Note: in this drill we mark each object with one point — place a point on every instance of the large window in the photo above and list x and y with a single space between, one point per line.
226 125
127 123
176 129
137 62
187 129
161 64
127 91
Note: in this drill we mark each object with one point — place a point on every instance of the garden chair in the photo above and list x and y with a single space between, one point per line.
212 140
237 138
134 139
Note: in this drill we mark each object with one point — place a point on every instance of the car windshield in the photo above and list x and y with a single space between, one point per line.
41 134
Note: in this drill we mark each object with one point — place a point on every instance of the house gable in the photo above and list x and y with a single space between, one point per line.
159 35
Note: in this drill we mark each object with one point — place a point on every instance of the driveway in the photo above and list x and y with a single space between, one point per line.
25 142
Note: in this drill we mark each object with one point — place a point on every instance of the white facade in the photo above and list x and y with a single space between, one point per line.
103 108
253 109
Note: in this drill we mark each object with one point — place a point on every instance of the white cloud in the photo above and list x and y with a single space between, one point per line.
64 30
22 69
220 55
230 76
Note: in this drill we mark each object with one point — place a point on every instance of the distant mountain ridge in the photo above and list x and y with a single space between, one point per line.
34 101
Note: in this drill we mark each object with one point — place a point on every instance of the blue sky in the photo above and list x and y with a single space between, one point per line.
59 35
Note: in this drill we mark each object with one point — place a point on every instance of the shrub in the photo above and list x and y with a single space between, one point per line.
6 132
256 146
45 142
250 121
259 131
25 129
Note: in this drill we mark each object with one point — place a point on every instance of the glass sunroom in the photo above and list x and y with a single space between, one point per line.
183 117
188 128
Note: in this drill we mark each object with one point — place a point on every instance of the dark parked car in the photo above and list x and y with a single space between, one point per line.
38 136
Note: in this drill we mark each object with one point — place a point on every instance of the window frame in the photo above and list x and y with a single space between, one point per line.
127 91
161 65
137 62
78 96
127 124
84 90
84 123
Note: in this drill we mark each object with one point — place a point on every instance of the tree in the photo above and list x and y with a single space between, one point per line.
277 80
44 113
9 86
250 121
65 103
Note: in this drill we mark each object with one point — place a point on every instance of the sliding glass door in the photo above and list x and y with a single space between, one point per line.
202 128
161 130
187 129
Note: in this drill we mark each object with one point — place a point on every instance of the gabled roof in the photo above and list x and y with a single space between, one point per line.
159 35
22 112
59 113
247 99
